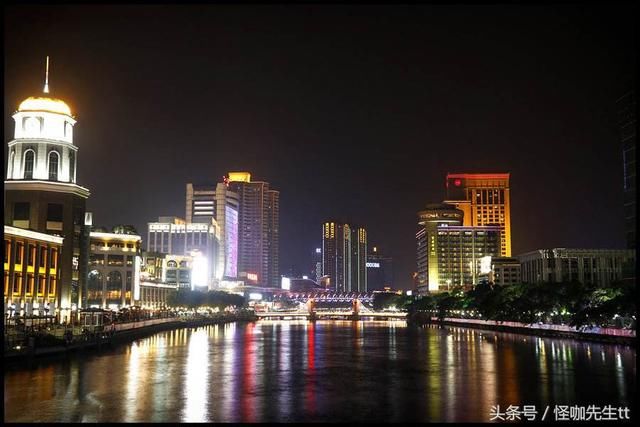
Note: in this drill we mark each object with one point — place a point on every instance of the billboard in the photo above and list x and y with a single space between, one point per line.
231 242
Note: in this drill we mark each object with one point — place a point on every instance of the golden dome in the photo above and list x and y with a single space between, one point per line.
52 105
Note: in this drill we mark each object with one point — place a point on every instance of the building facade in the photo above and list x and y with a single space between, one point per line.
31 272
485 200
435 215
114 270
379 270
258 236
207 202
593 266
501 271
344 256
41 192
172 235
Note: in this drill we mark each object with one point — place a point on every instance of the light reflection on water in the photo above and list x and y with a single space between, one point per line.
328 370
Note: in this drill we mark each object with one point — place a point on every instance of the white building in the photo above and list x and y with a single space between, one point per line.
201 241
114 270
596 266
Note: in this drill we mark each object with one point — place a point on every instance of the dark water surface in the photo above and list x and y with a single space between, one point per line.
279 371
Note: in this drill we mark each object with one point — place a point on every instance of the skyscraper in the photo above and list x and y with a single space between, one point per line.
485 200
379 270
344 256
258 229
41 193
627 123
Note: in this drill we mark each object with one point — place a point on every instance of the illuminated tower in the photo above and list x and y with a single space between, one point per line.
41 193
258 229
485 200
344 256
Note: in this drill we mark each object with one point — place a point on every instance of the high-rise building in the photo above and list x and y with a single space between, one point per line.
258 229
448 253
200 203
594 266
41 193
207 202
344 256
379 270
627 122
485 200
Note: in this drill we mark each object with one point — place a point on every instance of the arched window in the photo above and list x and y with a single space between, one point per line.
72 166
29 160
12 158
114 287
54 158
172 264
94 288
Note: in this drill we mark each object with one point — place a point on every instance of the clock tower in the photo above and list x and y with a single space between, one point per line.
41 192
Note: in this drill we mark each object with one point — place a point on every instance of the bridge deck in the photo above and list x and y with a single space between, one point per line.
319 314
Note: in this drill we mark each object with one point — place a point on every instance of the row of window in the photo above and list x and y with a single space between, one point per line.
112 260
29 163
45 287
22 211
19 256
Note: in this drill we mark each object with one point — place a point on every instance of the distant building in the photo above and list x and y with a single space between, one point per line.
379 270
595 266
258 230
485 200
114 270
500 271
172 235
205 203
31 271
317 264
160 275
41 193
627 122
344 256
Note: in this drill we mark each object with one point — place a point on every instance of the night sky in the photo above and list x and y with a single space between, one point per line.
352 112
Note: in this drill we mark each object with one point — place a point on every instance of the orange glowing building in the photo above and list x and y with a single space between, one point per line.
485 200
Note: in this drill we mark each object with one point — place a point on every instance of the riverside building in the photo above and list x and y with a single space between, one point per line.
41 192
31 271
114 270
594 266
448 253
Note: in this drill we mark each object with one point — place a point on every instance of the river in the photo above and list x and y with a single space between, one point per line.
283 371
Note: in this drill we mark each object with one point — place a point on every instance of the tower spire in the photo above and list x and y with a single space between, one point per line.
46 77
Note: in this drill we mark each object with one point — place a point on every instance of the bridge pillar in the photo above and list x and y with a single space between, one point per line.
356 306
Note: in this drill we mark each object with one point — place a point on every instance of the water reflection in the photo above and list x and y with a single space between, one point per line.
279 371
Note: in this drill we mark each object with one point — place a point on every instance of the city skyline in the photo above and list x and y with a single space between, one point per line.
268 113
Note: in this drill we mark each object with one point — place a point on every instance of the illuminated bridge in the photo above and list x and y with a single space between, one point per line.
331 308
